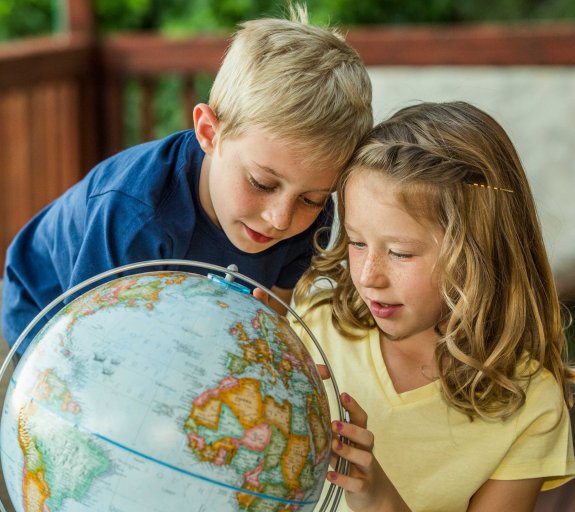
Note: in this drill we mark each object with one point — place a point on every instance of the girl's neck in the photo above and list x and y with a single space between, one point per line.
410 362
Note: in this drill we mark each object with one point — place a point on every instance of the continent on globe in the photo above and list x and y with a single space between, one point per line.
239 415
58 463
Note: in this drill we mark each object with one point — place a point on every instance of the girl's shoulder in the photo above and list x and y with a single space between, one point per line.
318 302
543 394
318 312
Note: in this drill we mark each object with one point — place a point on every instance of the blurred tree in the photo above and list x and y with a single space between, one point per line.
21 18
184 17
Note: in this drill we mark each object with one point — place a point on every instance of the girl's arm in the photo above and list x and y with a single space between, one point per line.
367 487
506 495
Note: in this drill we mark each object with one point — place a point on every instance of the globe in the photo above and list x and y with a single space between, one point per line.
165 391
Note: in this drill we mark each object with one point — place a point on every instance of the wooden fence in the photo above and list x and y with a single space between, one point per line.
47 129
62 101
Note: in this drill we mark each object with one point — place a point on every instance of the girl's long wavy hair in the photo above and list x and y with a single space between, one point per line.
456 166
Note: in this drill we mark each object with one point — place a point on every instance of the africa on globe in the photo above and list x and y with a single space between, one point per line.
165 391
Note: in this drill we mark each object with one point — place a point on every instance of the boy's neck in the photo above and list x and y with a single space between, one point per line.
204 191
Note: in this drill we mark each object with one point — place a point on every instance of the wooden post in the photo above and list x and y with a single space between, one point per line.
79 20
80 16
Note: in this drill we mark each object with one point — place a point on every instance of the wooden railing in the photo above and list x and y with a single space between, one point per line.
146 58
48 135
62 99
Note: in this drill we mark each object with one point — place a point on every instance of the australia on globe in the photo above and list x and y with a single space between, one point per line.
165 391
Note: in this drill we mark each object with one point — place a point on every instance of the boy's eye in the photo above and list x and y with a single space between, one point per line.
400 255
260 186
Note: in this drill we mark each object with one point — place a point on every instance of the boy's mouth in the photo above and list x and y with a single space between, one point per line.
256 236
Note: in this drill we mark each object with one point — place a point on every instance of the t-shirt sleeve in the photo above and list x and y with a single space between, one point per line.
302 333
119 230
59 250
317 319
544 443
132 207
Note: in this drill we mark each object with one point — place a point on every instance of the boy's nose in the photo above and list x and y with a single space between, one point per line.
279 213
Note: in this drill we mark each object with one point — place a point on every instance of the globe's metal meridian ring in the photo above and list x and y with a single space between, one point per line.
334 493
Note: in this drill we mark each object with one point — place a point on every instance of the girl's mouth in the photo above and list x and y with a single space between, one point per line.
383 310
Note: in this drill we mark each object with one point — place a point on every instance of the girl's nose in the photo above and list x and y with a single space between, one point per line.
373 274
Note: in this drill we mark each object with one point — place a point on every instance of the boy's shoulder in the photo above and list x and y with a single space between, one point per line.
146 167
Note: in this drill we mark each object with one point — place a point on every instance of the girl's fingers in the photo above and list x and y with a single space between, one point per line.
323 371
365 483
358 436
346 482
360 456
357 415
262 296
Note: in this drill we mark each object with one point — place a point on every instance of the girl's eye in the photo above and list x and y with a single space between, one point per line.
260 186
313 204
400 255
356 245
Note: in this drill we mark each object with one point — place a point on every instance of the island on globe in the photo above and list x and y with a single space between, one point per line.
165 391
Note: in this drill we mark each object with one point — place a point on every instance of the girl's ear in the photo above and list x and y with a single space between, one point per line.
206 127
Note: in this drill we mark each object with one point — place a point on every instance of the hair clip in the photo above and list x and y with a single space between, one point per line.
490 187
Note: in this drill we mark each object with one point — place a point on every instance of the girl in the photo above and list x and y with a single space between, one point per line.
442 316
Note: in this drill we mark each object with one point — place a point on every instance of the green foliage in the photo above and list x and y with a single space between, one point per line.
20 18
167 106
185 17
214 15
124 14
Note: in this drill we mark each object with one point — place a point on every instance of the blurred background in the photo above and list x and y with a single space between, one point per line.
82 79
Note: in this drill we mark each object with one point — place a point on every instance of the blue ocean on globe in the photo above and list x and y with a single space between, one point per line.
165 391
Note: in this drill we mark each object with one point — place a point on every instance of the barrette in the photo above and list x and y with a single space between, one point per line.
500 189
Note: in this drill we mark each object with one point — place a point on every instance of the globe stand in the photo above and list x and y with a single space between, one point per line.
334 493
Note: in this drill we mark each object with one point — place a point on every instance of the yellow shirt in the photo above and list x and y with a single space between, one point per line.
436 458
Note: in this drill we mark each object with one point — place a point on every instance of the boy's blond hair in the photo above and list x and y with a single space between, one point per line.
298 82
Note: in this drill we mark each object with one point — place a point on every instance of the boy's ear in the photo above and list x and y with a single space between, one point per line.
206 127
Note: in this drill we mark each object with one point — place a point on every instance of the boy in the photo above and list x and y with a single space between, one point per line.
249 185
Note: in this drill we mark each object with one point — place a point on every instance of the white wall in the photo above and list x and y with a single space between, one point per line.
536 105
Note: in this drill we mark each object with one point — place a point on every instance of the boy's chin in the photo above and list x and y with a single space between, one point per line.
251 247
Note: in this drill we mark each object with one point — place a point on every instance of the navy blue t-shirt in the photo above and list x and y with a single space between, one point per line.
141 204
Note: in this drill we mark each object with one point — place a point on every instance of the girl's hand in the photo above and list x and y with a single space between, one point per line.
283 294
367 487
323 371
262 296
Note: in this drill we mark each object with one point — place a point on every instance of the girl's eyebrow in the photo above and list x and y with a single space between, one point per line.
392 239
